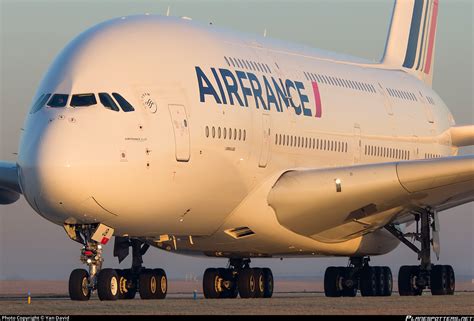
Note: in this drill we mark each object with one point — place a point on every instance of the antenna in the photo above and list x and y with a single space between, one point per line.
168 11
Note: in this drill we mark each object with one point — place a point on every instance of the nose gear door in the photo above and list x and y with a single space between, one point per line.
180 124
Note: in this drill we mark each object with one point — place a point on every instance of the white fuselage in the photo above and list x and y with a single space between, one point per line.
171 166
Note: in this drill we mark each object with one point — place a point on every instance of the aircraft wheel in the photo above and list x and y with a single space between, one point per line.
247 283
333 281
162 285
439 280
407 276
211 284
388 284
349 291
368 282
268 276
152 284
451 280
108 285
79 285
259 282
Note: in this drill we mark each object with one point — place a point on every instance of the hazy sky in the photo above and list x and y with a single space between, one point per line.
33 32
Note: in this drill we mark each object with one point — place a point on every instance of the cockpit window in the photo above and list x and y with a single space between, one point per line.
58 100
40 103
124 104
108 102
83 100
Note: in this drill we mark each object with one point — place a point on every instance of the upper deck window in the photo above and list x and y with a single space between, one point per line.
58 100
108 102
124 104
83 100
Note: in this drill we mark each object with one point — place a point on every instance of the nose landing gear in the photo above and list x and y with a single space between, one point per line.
112 284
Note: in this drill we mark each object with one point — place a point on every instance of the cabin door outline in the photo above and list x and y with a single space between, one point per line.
180 124
265 140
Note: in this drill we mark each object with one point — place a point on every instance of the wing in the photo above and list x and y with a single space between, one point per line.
9 187
337 204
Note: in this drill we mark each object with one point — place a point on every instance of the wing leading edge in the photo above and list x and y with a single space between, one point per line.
9 187
336 204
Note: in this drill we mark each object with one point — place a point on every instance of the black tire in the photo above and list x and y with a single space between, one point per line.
131 285
439 280
162 285
148 284
333 281
451 280
210 284
247 283
388 285
349 291
380 280
260 282
406 281
79 285
368 281
269 283
107 285
230 292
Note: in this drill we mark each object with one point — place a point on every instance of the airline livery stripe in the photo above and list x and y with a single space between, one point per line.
414 32
427 36
317 99
434 20
422 49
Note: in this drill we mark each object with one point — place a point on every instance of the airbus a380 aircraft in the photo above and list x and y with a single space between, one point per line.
168 133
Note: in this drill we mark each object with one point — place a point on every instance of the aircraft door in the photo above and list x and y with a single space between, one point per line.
265 151
357 144
180 125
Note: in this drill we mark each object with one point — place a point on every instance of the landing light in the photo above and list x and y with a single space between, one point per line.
99 247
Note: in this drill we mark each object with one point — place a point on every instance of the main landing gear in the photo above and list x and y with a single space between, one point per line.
370 280
413 279
113 284
238 279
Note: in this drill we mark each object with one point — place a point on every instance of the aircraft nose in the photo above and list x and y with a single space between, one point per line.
51 162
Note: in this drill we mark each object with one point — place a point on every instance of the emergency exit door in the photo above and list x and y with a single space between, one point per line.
180 125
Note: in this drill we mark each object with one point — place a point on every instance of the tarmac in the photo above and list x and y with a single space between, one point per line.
289 303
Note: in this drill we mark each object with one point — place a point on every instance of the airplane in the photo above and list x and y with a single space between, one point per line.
178 135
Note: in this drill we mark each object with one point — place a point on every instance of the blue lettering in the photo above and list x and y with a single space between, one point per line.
216 77
233 88
281 94
271 99
289 84
257 90
206 89
303 98
246 91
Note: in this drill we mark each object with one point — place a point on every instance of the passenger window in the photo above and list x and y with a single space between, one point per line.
109 103
83 100
245 134
40 103
124 104
225 132
219 132
58 100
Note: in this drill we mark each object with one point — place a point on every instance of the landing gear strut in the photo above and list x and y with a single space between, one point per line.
238 278
358 275
112 284
413 279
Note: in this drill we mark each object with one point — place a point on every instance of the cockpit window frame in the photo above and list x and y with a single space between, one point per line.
123 103
105 99
75 104
61 105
